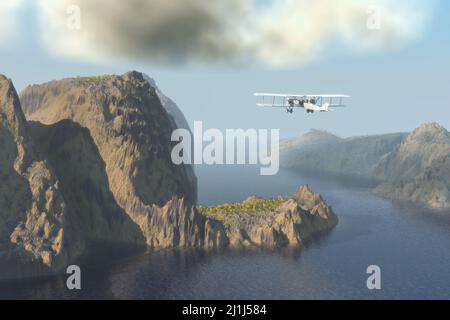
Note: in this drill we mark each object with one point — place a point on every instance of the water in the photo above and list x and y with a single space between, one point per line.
410 244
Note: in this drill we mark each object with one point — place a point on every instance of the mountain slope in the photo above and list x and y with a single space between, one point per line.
415 153
324 153
419 168
414 166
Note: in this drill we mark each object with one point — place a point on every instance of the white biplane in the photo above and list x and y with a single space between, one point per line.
311 103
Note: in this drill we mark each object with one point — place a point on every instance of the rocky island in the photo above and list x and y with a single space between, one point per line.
86 161
272 222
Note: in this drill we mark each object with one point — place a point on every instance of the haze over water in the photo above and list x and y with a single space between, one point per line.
408 242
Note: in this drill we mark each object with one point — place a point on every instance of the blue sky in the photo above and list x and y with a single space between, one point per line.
392 90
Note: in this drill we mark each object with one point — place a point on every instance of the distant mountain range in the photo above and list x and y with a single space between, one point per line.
409 166
324 153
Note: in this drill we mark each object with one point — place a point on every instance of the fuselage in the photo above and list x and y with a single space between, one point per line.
309 105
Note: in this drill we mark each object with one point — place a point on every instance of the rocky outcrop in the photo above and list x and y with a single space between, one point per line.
176 224
320 152
291 221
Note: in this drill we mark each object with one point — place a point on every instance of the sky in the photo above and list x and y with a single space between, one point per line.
210 60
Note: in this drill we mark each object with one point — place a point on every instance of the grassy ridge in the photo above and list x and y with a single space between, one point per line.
220 212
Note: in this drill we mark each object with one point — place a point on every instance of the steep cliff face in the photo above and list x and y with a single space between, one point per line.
34 218
273 223
171 107
132 132
322 152
176 115
76 162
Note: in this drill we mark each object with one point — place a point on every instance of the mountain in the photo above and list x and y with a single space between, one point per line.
413 167
312 139
324 153
415 153
131 130
418 169
129 126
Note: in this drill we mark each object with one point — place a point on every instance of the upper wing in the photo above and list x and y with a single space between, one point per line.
271 100
301 95
282 100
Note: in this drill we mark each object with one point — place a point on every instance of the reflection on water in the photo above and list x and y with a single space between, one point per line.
408 242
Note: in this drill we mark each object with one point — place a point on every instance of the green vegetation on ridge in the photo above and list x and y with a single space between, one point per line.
255 205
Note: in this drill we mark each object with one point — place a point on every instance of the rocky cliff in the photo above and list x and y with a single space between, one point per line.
168 104
34 217
324 153
273 222
127 124
95 169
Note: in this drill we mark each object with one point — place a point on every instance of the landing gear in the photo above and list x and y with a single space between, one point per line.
289 110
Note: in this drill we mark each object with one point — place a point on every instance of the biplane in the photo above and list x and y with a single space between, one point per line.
311 103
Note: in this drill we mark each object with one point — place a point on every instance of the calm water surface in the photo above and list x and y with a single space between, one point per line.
411 245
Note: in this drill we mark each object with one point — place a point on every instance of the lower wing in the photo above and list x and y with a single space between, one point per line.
278 105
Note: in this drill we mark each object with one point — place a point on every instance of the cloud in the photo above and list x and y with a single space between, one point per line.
157 30
8 26
281 33
296 32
